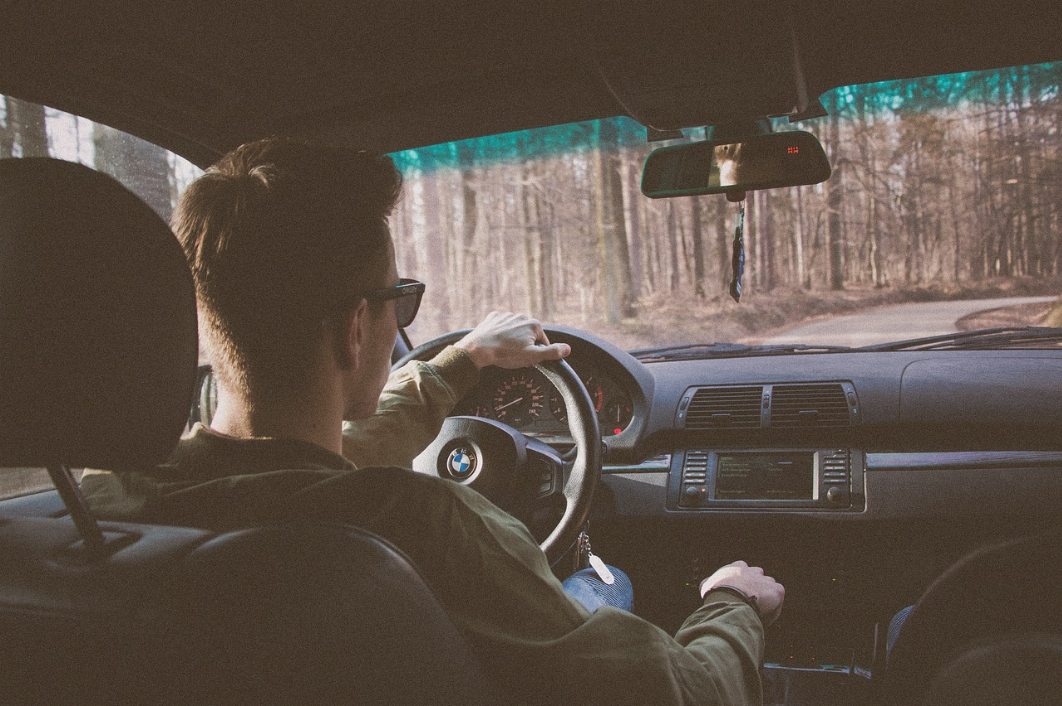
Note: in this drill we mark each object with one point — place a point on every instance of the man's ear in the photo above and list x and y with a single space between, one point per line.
347 334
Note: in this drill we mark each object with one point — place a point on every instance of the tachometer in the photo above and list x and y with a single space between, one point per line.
596 392
518 399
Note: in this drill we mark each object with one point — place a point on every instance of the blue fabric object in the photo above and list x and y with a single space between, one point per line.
738 259
586 587
895 625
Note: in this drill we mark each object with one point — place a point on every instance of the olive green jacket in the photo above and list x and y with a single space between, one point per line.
537 644
413 405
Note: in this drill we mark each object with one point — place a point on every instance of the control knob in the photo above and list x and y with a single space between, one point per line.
694 495
836 494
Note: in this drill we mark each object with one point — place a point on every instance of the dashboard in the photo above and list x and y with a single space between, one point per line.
861 435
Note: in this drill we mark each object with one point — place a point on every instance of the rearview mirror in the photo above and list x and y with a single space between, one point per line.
760 162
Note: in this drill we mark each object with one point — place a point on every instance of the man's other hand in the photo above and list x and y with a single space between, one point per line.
751 581
510 340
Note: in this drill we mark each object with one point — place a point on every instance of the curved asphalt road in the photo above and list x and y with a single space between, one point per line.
895 323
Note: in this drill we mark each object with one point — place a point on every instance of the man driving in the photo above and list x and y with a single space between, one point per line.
300 303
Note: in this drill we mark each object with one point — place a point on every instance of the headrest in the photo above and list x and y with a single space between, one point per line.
98 340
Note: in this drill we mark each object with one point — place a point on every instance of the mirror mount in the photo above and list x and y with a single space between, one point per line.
814 110
654 135
738 130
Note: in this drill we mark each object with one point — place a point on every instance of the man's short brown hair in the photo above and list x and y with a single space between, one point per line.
278 233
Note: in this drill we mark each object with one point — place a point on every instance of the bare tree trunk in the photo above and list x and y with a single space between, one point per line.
798 239
698 247
672 239
529 228
652 246
618 233
610 221
766 240
634 229
602 200
754 256
1031 251
833 198
956 224
468 269
552 264
440 267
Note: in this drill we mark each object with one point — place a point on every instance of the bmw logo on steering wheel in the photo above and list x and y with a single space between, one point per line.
462 463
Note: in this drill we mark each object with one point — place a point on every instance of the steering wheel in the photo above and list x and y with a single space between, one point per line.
517 473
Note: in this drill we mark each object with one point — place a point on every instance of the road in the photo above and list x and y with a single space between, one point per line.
896 323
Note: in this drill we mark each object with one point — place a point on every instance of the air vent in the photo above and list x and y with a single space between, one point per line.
725 408
819 405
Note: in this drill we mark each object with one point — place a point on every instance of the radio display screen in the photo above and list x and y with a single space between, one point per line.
775 476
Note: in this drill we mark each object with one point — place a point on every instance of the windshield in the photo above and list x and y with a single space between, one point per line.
943 214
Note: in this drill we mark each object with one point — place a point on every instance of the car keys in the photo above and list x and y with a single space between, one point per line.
587 557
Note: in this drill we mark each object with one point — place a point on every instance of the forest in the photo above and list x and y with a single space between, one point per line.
943 182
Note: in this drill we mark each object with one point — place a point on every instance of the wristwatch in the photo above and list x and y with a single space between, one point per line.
751 600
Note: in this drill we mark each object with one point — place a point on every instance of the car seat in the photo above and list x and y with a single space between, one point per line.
98 356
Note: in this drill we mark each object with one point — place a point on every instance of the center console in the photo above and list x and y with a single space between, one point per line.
827 479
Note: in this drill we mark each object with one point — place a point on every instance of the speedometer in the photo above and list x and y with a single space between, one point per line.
518 399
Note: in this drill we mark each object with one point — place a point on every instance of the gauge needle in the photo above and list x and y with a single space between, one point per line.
509 404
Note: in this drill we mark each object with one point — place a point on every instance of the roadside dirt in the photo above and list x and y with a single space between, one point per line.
665 320
1021 315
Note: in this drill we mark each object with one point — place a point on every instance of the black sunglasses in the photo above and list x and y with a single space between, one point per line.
407 295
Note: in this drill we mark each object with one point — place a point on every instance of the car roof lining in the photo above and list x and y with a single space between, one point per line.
200 78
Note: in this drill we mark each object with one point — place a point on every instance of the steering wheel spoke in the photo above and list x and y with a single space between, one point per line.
548 470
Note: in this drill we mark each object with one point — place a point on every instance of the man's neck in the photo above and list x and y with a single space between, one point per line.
316 419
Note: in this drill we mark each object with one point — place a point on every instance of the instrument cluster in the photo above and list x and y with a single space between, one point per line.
525 400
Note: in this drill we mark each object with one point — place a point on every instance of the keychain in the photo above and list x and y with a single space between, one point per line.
587 557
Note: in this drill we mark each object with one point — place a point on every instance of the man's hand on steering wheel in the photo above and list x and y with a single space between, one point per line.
509 340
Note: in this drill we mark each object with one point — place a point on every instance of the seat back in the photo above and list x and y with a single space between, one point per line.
98 341
98 357
297 614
